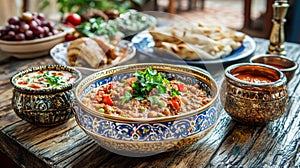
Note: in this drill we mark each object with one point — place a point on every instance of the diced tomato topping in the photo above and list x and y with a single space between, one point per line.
53 73
108 88
175 104
22 82
181 87
205 100
41 79
40 72
107 100
34 86
60 74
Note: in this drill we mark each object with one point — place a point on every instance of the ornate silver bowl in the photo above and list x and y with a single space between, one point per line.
45 107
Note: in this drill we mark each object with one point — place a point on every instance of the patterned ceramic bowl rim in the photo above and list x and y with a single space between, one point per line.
292 68
46 67
281 80
196 72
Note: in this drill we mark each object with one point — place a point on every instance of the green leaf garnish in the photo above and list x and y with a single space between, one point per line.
53 80
175 92
98 27
154 100
148 80
127 96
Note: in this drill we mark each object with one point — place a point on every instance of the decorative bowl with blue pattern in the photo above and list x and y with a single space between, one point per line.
139 137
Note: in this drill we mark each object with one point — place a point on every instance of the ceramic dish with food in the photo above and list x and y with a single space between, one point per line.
133 22
194 54
42 95
144 109
31 35
86 54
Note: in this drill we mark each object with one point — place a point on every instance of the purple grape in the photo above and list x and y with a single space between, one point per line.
51 25
24 27
38 21
20 36
12 27
17 29
41 16
46 31
29 35
11 34
39 32
33 24
14 20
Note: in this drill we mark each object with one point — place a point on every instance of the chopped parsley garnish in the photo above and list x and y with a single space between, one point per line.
53 80
175 92
148 80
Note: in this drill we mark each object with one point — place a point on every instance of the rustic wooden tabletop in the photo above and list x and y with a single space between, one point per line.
229 144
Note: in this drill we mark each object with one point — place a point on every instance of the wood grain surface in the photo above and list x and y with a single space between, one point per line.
229 144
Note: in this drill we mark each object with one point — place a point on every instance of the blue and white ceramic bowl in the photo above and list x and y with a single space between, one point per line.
138 137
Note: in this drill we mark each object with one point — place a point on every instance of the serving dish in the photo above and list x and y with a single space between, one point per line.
139 137
253 93
59 55
34 48
44 106
133 22
283 63
144 43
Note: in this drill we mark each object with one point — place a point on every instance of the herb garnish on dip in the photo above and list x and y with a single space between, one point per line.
45 79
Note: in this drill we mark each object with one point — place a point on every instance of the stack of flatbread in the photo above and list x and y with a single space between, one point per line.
197 42
95 52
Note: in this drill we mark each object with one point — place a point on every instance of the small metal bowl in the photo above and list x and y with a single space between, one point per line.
44 107
254 103
283 63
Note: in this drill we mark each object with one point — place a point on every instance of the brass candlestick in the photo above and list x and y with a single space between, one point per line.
276 46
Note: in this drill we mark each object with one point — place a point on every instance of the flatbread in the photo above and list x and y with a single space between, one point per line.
197 42
86 50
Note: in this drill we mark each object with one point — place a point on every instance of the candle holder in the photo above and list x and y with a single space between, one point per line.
277 38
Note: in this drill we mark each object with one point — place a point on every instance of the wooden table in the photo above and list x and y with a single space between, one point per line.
230 144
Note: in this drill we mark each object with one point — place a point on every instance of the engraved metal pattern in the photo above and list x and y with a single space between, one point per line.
45 107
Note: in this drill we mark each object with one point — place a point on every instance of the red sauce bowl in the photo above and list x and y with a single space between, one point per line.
283 63
254 94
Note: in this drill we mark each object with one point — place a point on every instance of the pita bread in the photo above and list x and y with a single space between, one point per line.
85 50
193 42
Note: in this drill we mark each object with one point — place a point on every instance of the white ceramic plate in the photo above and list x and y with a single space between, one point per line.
144 43
59 54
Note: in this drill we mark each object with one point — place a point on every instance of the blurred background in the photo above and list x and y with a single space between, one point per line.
253 17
